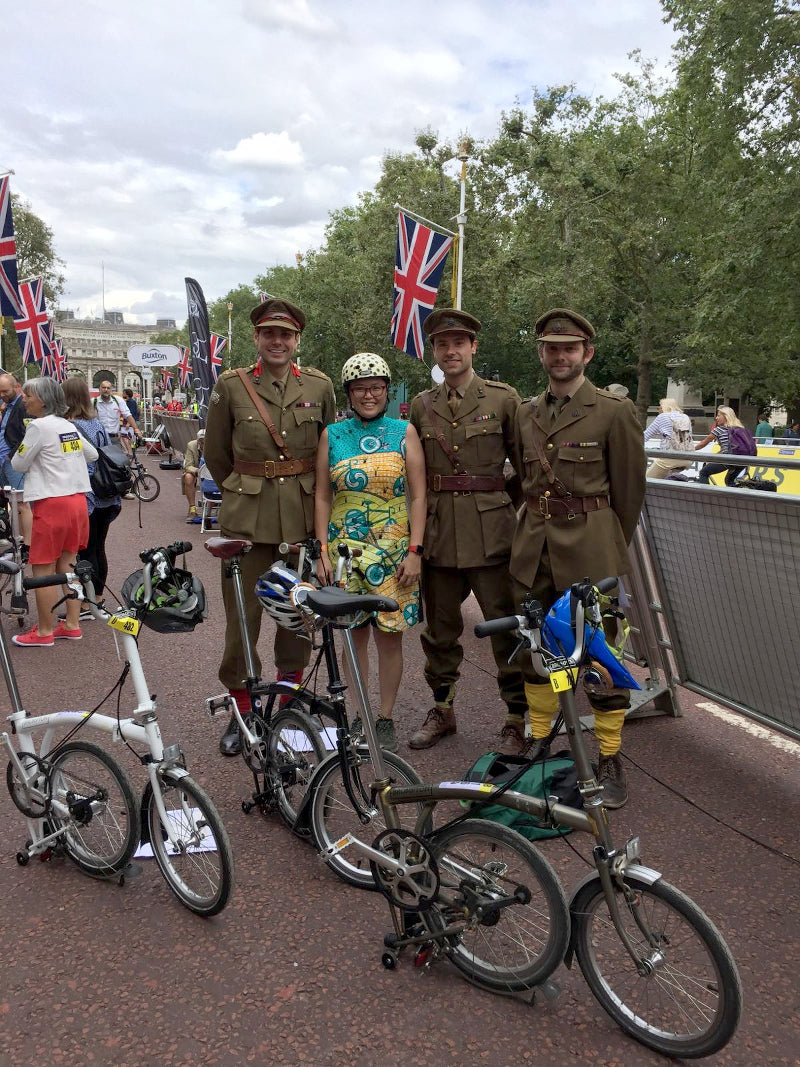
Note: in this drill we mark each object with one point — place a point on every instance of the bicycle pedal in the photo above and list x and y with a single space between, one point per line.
223 702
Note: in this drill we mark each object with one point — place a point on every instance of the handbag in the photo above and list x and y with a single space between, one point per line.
112 470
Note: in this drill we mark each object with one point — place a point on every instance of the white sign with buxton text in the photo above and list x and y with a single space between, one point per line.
154 355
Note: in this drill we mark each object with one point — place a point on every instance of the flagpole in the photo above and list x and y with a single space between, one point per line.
427 222
230 336
461 219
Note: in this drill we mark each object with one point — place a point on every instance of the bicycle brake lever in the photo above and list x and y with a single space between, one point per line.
522 644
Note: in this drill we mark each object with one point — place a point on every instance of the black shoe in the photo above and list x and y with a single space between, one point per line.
611 776
230 744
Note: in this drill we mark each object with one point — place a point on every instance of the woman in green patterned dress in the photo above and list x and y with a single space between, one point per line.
367 466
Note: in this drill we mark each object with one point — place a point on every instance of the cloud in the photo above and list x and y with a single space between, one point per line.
262 150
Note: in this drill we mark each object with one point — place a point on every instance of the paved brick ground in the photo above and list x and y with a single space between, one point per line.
290 973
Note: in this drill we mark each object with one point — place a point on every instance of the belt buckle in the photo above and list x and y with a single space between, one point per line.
544 507
269 468
437 483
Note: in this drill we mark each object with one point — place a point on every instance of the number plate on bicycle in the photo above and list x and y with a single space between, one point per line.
126 622
560 678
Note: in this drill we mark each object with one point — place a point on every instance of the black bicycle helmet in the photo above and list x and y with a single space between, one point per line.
177 603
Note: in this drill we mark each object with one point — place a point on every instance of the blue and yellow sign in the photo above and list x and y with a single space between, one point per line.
788 480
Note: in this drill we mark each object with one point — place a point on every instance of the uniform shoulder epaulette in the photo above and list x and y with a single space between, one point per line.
612 396
315 372
496 385
231 373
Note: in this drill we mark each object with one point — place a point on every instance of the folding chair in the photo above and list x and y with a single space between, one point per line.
210 499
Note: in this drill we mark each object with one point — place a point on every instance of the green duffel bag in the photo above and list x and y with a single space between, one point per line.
554 776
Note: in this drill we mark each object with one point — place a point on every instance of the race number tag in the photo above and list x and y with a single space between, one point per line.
70 442
126 622
559 680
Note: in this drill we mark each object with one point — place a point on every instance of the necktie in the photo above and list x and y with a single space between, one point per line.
278 387
558 405
453 400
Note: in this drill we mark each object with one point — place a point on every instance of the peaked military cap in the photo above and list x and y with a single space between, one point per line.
444 319
561 324
276 312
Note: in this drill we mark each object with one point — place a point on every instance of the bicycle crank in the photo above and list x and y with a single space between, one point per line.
414 886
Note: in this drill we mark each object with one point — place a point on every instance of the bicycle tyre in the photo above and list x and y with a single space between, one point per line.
658 1009
519 946
295 749
146 486
201 880
332 815
101 842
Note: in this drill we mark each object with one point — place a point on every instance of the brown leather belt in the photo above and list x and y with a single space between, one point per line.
567 508
274 468
465 483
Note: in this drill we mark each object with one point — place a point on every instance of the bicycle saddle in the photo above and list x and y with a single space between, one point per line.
226 547
332 602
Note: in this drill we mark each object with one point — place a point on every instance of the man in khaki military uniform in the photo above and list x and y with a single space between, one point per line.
581 457
267 491
466 427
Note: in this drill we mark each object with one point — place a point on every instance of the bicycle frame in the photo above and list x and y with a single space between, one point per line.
141 727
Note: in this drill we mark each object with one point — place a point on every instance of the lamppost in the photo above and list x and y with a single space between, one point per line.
461 218
230 335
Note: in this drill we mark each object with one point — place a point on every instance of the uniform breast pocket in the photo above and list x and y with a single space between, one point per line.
582 470
430 444
308 426
485 441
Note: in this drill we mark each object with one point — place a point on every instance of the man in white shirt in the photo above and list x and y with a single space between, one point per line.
119 424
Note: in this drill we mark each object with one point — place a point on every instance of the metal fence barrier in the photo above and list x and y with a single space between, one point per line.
719 571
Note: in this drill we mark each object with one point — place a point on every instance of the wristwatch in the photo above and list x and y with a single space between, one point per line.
416 549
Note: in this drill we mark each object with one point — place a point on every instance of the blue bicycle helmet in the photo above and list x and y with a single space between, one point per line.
273 590
558 637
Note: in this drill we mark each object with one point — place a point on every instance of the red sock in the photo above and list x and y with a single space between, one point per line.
242 698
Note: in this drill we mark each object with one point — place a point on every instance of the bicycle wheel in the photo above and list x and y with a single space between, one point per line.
295 749
514 947
200 872
333 816
689 1002
93 800
146 486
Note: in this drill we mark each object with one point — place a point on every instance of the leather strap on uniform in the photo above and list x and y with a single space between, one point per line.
448 451
273 468
548 470
263 413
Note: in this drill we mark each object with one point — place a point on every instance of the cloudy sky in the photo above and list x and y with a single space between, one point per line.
211 138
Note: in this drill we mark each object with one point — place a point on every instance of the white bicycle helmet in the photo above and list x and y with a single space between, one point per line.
365 365
274 589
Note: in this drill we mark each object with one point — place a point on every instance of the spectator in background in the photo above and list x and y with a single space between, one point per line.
102 511
130 401
192 459
673 429
53 456
724 420
792 435
174 407
12 430
763 429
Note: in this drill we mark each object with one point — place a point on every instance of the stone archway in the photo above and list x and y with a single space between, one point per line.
104 376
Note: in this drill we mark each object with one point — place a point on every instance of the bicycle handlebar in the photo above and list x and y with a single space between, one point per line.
605 585
498 626
42 580
177 548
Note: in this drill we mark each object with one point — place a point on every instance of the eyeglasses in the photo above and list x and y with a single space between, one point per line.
373 390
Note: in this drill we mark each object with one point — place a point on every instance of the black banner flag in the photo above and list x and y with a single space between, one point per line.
200 345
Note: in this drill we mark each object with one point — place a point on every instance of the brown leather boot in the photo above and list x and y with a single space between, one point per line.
439 722
512 739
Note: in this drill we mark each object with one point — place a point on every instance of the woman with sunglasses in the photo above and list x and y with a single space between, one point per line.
371 494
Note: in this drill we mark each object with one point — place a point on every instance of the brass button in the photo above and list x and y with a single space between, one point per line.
484 431
249 418
455 493
580 457
239 489
547 493
283 409
281 480
283 432
455 448
455 424
280 457
547 517
549 444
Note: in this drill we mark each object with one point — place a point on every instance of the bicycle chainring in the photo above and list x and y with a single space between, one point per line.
255 755
31 799
415 886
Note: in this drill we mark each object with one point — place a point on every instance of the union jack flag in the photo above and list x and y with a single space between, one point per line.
9 295
58 361
166 380
185 368
418 265
217 345
33 329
